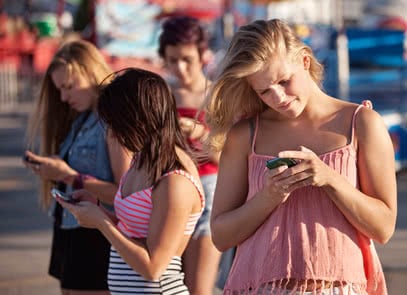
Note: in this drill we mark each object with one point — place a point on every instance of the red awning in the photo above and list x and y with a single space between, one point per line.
204 9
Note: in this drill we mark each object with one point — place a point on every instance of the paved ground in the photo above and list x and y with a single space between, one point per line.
25 230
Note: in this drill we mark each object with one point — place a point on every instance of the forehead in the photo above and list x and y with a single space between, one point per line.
181 50
271 73
64 75
60 75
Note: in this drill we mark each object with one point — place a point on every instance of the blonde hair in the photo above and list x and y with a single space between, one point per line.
231 98
52 118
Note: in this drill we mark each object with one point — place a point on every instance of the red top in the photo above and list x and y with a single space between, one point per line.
205 166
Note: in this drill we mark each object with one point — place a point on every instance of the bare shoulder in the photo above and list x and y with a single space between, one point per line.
371 132
188 163
368 119
181 190
365 114
239 135
184 182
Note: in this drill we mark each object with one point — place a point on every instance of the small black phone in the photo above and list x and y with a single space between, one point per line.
29 160
277 162
56 193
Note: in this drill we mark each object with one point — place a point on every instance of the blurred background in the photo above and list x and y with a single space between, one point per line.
362 43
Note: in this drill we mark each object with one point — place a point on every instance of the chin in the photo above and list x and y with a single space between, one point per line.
184 81
80 109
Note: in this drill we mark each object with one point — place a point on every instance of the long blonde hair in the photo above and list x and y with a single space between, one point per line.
231 98
52 118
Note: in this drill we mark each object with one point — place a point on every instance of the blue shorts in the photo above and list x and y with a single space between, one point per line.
202 227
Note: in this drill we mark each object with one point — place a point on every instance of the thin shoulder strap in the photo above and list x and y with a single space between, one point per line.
188 176
197 185
254 126
354 121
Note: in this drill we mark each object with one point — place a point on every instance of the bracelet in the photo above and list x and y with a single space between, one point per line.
79 179
77 182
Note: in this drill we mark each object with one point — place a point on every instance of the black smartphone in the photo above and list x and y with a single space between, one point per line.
276 162
58 194
29 160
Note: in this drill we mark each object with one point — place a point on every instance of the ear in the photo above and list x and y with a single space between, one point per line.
206 57
162 63
306 61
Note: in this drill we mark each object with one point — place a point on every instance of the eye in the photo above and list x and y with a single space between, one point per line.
172 60
187 60
283 82
265 91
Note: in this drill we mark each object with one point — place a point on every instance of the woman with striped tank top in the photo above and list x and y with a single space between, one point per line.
307 228
159 199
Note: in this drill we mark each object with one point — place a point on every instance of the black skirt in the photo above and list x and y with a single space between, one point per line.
79 258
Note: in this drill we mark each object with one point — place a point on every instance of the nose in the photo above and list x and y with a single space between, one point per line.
64 95
180 67
278 93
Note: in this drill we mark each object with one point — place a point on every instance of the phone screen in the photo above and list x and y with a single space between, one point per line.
58 194
277 162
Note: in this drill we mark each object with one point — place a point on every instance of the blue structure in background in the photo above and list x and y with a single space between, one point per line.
376 47
377 72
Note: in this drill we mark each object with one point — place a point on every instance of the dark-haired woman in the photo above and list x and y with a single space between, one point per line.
159 199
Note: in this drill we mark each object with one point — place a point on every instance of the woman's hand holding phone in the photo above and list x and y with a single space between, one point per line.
86 209
310 170
279 181
50 168
30 161
58 195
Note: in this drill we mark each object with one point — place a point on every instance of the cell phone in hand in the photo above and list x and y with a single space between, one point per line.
66 197
277 162
29 160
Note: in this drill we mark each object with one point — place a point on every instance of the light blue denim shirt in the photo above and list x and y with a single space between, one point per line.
87 153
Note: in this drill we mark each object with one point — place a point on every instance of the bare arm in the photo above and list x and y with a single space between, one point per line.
173 201
55 169
120 160
233 219
373 209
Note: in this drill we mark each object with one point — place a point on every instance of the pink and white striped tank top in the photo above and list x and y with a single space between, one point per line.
134 210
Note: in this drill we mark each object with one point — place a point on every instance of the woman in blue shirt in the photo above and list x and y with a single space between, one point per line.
76 151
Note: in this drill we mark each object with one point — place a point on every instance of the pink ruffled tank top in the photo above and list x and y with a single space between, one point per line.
307 238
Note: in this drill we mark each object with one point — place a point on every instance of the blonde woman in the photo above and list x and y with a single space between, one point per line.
76 151
307 228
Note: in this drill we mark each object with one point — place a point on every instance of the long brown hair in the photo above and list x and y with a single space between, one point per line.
52 118
140 110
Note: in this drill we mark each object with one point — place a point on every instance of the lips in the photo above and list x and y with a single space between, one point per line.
284 106
74 106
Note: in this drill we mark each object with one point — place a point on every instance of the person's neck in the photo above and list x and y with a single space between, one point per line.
198 85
